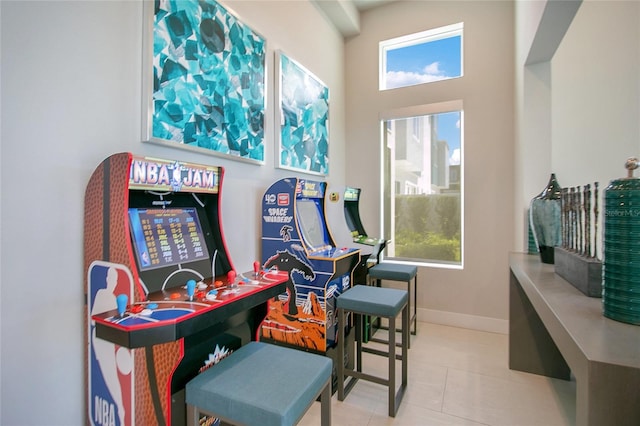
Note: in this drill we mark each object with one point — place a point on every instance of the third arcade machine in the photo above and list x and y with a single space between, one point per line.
296 239
351 232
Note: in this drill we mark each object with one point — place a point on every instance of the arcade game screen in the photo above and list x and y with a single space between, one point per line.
352 211
311 224
171 246
165 237
352 216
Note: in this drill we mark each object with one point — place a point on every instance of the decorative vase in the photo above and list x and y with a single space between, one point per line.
545 219
532 248
621 249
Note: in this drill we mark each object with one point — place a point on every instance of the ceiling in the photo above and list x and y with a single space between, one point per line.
345 14
363 5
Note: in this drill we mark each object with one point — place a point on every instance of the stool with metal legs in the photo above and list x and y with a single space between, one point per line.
262 384
396 272
363 300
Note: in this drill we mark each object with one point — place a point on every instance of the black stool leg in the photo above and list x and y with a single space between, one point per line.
409 304
340 369
405 347
378 319
192 415
359 330
392 367
325 405
395 397
415 306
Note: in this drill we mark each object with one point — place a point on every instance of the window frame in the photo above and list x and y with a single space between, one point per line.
422 37
406 113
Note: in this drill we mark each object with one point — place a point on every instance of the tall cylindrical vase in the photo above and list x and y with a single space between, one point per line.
621 249
545 219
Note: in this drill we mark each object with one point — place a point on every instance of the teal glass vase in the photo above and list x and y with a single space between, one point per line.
621 250
545 219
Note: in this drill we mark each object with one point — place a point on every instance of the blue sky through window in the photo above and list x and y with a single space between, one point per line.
449 130
424 62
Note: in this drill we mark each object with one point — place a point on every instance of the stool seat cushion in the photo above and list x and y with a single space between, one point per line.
393 272
377 301
261 384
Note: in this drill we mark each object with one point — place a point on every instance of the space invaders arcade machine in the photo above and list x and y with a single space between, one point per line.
164 301
297 240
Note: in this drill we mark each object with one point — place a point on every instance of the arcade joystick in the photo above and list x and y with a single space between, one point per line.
212 295
231 278
121 301
136 309
191 287
256 269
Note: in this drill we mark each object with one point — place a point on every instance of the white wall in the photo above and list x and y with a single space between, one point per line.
477 296
71 96
595 87
595 102
578 111
532 140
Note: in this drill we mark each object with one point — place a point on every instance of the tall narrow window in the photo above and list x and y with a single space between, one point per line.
424 57
423 203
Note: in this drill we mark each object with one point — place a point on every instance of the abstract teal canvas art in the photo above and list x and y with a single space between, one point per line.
304 119
207 80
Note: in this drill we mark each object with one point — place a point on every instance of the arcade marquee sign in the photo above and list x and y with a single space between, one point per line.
278 204
147 173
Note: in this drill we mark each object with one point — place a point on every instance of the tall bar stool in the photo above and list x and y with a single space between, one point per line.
363 300
262 384
397 272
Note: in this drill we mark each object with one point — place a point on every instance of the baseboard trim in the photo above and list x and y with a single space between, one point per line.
472 322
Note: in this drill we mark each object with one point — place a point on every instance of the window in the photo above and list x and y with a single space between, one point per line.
422 200
425 57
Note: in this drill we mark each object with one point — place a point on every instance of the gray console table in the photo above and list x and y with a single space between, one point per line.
555 330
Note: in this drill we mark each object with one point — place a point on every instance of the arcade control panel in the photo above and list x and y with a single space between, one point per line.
332 252
168 315
365 239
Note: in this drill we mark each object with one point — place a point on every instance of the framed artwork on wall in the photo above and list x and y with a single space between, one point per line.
204 80
302 107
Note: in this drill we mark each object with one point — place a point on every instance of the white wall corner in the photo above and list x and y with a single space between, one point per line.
342 14
555 22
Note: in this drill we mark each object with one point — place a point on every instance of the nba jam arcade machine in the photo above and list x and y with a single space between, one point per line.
163 299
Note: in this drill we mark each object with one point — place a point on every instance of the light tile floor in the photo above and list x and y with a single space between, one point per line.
456 377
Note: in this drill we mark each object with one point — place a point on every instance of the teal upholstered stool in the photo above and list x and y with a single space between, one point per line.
398 272
262 384
363 300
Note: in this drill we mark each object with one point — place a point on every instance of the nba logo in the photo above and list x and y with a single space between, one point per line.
110 399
